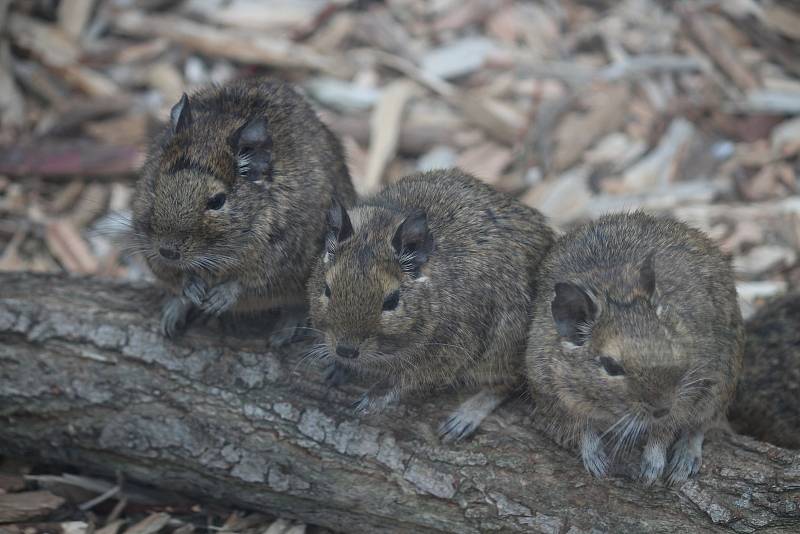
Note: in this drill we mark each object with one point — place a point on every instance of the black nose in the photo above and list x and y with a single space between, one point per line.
346 351
169 253
661 412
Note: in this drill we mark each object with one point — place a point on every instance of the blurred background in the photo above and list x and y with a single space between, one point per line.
577 108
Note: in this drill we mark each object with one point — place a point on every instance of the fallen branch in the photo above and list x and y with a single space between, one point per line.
85 378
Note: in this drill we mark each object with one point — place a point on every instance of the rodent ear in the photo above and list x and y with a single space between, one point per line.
339 224
413 241
181 114
252 144
647 275
573 312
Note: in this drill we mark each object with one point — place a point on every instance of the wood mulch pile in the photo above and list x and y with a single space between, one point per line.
577 108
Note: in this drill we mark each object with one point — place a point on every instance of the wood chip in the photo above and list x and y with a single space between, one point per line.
80 157
12 104
237 45
10 483
150 525
110 528
384 133
74 527
485 161
69 247
782 19
577 132
73 15
27 505
721 52
47 42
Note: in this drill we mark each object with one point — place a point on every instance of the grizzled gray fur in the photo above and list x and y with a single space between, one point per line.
230 209
428 285
636 340
767 403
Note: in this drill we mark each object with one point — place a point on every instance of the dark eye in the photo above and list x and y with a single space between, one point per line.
216 202
391 300
327 290
611 366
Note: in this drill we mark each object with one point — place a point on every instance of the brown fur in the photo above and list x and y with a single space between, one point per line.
663 311
268 233
461 317
767 404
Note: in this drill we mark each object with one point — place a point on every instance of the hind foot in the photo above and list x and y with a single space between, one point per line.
463 422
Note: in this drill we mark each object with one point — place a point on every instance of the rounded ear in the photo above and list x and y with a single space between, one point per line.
573 312
252 144
181 114
339 226
647 275
413 241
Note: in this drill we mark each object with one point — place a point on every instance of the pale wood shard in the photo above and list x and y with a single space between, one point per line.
255 48
385 124
27 505
57 158
721 52
223 418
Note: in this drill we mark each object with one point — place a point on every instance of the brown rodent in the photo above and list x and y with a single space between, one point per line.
767 403
428 285
636 339
230 209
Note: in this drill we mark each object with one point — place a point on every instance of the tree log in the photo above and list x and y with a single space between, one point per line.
86 379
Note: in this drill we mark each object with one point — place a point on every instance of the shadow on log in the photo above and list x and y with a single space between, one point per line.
86 379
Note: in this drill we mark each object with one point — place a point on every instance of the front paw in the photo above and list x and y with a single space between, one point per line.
654 459
221 298
195 290
369 404
287 328
687 456
594 455
336 375
173 316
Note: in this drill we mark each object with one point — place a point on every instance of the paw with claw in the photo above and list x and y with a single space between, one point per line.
372 404
593 454
336 375
686 457
174 315
221 298
287 328
463 422
195 290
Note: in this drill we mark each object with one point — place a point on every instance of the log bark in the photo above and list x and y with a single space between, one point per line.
86 379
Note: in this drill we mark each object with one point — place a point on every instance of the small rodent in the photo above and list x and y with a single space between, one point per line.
767 403
230 209
428 285
636 339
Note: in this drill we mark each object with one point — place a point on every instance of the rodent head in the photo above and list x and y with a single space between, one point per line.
202 191
369 293
625 358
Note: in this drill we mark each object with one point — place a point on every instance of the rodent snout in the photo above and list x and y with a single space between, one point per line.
169 253
345 350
